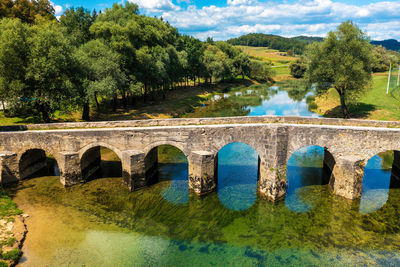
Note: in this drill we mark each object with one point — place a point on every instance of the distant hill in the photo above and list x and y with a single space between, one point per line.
390 44
298 44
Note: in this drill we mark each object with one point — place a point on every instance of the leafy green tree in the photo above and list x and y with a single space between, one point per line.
77 22
49 68
13 57
343 61
102 74
213 60
261 71
6 8
298 68
242 64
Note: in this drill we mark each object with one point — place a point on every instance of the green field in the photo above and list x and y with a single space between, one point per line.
279 60
374 104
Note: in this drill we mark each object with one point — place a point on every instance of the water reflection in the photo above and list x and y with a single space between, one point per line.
178 191
237 176
376 184
282 105
305 168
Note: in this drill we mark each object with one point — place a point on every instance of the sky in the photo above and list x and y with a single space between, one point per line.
225 19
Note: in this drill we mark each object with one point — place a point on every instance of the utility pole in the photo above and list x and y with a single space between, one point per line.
398 76
390 71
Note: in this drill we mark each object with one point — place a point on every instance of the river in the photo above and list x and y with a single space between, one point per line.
100 223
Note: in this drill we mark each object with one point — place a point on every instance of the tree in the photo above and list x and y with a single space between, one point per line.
13 56
260 71
298 68
49 68
77 23
343 61
102 74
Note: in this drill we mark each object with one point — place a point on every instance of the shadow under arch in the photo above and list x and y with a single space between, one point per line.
238 174
100 161
36 162
168 165
308 166
381 178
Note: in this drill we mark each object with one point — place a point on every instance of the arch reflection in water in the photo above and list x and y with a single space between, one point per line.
305 168
380 175
237 176
173 166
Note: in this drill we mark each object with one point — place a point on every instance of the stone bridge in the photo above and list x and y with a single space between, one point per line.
348 145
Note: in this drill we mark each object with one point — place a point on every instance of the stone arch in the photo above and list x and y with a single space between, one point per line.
48 150
34 160
176 144
151 160
90 160
86 148
223 144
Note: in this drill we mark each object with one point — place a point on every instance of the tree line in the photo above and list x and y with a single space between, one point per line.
296 44
48 65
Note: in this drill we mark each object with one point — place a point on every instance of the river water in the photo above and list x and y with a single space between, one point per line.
100 223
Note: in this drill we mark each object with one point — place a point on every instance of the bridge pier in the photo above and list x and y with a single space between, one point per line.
202 172
272 182
134 169
347 177
9 167
70 168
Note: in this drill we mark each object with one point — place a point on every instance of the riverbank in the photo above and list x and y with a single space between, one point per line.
13 231
374 104
177 103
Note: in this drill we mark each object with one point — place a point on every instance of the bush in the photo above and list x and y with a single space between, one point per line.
298 68
3 264
13 254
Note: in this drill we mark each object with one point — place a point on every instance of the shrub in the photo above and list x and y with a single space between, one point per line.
13 254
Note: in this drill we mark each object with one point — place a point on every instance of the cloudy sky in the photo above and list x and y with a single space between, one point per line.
224 19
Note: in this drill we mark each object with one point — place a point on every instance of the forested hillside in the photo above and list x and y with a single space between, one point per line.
390 44
297 44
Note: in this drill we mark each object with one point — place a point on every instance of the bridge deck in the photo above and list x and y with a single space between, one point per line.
205 121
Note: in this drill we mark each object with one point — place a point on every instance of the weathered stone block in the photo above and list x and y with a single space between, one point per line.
70 168
202 172
133 169
272 184
347 177
9 167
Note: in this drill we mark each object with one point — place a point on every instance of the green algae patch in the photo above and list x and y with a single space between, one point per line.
102 221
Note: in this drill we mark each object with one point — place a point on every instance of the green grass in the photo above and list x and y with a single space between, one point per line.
7 207
13 254
373 104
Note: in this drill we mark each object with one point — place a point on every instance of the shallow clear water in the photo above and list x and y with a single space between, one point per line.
100 223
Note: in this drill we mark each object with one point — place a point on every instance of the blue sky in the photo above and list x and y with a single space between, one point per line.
224 19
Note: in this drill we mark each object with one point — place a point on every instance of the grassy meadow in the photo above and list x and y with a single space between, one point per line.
374 104
279 60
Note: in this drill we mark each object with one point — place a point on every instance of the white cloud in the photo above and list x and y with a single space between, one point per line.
156 5
57 8
239 2
304 17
